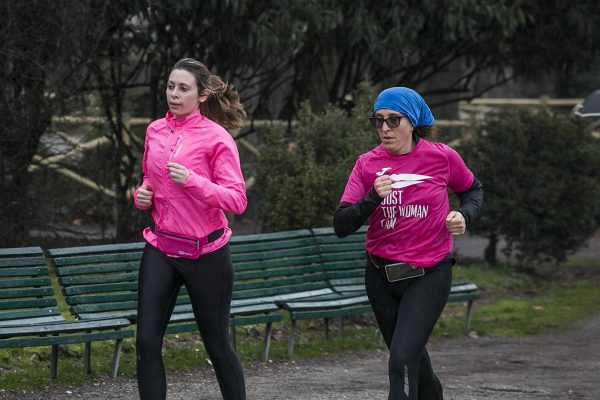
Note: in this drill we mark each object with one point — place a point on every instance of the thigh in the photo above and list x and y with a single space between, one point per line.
158 285
384 303
422 304
209 281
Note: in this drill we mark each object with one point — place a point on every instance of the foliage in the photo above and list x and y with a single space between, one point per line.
321 50
279 54
539 171
301 176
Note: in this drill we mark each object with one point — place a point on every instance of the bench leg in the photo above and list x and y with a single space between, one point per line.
232 335
54 362
341 327
267 343
116 358
326 328
290 349
468 316
87 357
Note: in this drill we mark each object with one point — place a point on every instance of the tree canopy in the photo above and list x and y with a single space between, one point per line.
58 54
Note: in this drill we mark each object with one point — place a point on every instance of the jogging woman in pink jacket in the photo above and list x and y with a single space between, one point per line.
192 176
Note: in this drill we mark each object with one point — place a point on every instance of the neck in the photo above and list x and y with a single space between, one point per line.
406 147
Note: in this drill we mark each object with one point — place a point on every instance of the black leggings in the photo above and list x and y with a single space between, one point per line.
209 282
406 313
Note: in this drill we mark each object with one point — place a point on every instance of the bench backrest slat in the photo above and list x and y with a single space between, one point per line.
14 261
27 292
23 282
31 313
27 303
24 271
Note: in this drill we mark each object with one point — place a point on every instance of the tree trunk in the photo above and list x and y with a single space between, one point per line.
24 117
490 250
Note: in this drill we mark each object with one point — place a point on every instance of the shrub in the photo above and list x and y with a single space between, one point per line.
540 173
301 175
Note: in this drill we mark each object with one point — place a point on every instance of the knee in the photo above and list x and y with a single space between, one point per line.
146 343
401 361
218 350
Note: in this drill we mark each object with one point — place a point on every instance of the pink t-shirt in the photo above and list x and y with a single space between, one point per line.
409 224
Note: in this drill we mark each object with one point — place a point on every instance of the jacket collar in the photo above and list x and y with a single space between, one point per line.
194 117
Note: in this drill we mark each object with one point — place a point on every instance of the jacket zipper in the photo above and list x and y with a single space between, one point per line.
174 149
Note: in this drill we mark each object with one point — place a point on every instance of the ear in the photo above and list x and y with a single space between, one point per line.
203 96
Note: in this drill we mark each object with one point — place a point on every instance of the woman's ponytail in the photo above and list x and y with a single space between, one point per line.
223 103
223 106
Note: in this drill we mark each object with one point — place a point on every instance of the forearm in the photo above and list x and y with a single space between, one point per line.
230 196
470 201
348 217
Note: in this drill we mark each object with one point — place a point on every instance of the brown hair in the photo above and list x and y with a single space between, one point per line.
223 103
426 132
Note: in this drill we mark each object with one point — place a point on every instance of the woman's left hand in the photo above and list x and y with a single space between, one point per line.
455 223
178 172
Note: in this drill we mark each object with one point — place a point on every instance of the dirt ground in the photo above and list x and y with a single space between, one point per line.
549 366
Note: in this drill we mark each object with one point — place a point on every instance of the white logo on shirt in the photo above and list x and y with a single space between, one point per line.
403 180
382 171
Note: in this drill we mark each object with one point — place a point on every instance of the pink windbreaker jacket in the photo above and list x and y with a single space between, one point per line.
215 183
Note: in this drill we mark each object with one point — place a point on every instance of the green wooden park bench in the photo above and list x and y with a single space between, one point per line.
29 313
343 261
101 281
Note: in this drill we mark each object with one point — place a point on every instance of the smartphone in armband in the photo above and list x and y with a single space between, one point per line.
400 271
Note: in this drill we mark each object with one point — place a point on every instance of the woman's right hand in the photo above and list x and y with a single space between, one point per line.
144 196
383 186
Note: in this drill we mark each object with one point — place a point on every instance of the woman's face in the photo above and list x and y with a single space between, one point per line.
182 93
396 140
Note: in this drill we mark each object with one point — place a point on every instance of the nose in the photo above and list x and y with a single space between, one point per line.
385 126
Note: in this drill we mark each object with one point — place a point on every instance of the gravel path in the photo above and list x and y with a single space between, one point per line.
549 366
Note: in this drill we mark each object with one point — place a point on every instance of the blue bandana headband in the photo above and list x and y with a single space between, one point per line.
407 102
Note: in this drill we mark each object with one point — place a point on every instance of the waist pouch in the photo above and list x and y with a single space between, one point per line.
178 245
396 271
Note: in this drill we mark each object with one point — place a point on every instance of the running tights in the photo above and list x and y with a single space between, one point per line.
209 282
406 312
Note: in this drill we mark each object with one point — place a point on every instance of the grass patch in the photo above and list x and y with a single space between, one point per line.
512 303
554 307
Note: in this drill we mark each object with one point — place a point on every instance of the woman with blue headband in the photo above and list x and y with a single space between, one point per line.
401 187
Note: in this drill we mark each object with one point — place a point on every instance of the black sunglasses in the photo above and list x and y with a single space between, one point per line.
392 122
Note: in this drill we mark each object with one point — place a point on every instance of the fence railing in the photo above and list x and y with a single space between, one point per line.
469 114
